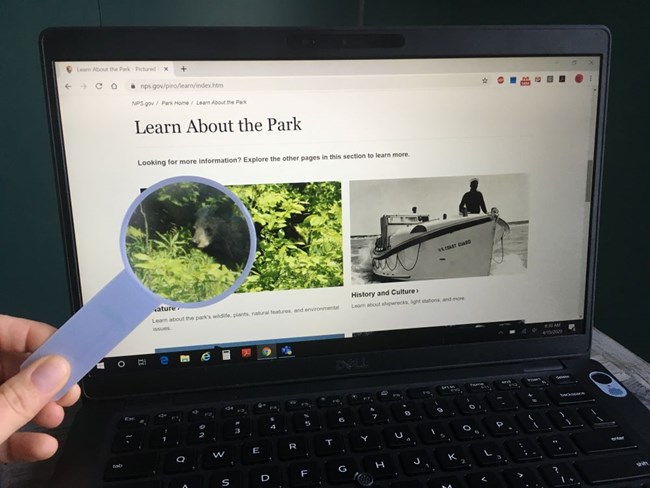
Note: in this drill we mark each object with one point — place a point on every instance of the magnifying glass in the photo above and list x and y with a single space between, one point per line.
186 242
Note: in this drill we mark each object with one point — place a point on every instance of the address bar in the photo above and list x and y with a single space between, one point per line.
168 85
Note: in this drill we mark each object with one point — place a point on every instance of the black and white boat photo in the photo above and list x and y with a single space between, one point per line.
438 228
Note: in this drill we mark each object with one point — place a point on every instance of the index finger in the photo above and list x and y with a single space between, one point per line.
22 335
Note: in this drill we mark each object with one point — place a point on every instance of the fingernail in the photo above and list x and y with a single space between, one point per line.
50 374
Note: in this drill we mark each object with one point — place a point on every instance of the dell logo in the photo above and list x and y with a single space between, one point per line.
352 364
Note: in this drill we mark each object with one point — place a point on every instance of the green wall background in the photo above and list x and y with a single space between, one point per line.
32 273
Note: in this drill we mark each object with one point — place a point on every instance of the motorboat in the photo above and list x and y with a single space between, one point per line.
416 247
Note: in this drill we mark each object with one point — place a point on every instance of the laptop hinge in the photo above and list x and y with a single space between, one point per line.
545 365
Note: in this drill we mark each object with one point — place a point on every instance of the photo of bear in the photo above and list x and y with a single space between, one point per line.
188 242
220 234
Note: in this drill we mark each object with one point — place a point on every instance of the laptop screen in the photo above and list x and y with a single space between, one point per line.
398 203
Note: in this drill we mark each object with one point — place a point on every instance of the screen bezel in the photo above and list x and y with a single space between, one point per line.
180 44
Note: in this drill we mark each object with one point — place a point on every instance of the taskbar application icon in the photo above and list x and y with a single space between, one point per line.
285 351
266 351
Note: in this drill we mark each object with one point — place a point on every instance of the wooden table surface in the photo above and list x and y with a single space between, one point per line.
628 368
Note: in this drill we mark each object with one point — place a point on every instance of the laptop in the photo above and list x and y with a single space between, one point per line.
420 307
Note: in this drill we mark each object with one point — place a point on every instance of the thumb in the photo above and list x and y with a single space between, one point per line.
24 395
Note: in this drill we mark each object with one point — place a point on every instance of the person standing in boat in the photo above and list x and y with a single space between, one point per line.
472 202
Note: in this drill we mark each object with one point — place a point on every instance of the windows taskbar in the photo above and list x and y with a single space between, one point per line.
290 349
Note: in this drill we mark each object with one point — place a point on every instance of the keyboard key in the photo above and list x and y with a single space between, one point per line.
507 384
373 414
329 444
559 475
139 484
535 382
469 405
130 422
340 418
266 407
485 479
180 461
522 478
360 398
419 393
449 390
307 421
202 433
194 481
523 450
565 419
500 425
272 425
478 387
596 418
364 440
131 466
303 475
230 411
619 468
532 399
380 466
415 462
240 428
292 448
126 441
558 446
227 479
390 396
201 415
445 482
452 458
165 437
219 457
167 418
267 477
434 433
398 437
406 411
331 401
256 452
533 422
298 404
488 454
467 430
606 440
341 470
569 395
502 402
406 484
563 379
438 408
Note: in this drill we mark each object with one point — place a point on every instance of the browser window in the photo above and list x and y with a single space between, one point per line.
387 195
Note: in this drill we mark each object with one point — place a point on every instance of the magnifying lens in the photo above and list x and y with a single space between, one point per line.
186 242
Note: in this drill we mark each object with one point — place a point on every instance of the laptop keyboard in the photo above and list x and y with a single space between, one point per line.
518 432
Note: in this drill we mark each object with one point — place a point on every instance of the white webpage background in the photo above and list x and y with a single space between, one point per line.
449 126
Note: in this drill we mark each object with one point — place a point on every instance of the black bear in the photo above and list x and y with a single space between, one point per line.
221 231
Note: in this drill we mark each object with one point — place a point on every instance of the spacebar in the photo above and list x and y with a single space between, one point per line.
619 468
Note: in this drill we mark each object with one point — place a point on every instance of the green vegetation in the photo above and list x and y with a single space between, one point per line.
170 267
299 235
299 240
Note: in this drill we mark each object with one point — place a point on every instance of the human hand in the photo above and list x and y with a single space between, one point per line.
27 395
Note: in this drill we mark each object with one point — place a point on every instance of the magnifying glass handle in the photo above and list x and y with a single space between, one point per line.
98 326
